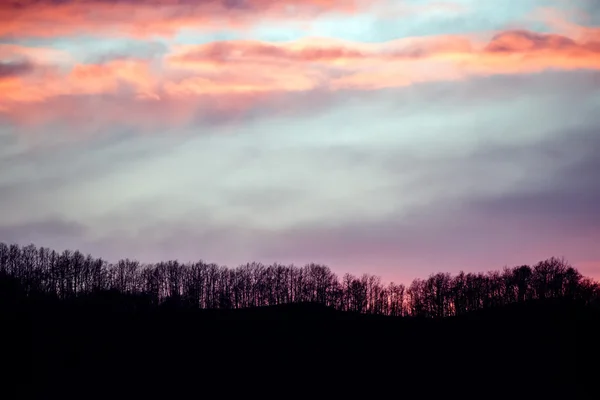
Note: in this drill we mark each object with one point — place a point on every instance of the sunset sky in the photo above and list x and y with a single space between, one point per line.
398 138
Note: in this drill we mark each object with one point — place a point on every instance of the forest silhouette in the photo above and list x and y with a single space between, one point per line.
70 275
71 320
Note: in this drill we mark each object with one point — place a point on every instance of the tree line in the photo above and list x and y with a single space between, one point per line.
72 275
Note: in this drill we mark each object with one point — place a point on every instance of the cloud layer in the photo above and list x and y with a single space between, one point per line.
236 74
245 130
146 18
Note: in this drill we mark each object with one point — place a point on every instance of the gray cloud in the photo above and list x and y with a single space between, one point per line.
475 207
130 49
568 200
47 233
15 68
551 213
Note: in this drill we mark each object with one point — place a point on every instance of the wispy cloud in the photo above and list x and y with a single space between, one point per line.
145 18
240 71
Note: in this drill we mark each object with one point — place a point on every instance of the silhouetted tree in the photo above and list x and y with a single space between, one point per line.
71 275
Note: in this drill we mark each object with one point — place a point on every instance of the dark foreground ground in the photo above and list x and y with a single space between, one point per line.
536 351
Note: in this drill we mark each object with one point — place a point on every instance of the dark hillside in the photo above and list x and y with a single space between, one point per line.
77 327
548 349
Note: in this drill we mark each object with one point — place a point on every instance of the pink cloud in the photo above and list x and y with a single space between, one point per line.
561 22
345 65
141 18
235 74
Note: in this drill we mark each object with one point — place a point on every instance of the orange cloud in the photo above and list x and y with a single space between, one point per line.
48 18
341 65
123 76
222 53
250 69
112 76
318 50
37 55
526 52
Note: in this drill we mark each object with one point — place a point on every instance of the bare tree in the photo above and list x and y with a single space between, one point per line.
70 275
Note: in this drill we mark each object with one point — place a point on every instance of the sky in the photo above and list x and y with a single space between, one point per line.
397 138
